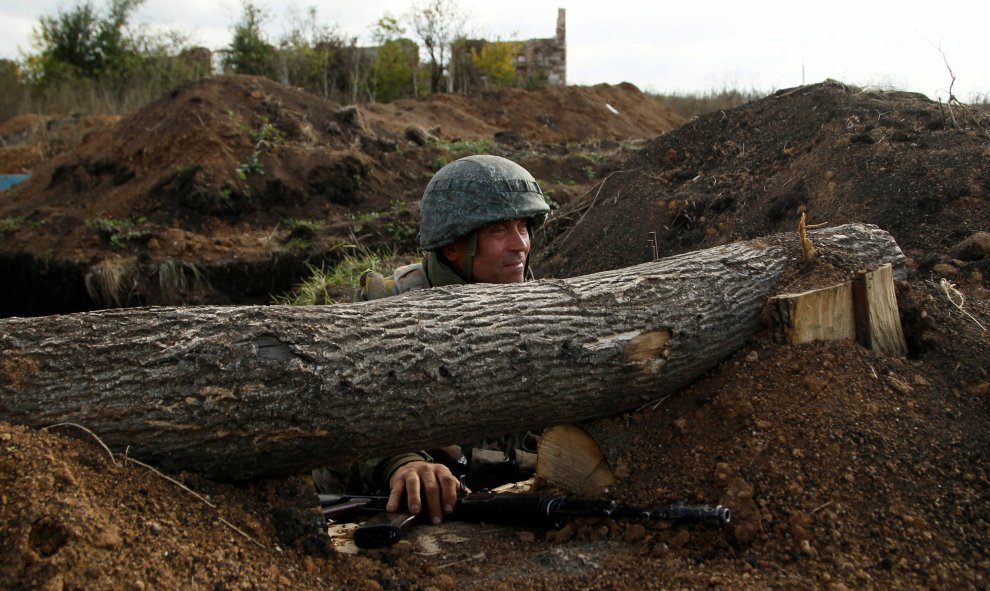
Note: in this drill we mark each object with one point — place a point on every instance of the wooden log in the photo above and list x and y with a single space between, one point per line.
242 392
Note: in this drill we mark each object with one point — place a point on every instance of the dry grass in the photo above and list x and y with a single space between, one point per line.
111 281
89 97
694 104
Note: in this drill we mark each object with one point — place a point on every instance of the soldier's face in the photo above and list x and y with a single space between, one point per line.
501 253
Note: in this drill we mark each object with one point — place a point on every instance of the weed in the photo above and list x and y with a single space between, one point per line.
119 231
251 166
11 224
177 277
631 145
437 163
399 230
588 171
360 219
266 134
264 137
322 286
303 225
593 157
111 282
548 197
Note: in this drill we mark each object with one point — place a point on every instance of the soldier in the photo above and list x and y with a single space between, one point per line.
476 222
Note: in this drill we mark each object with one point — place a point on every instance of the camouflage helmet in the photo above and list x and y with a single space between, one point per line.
474 192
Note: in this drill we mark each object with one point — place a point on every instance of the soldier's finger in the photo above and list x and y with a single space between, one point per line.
449 485
432 492
412 492
395 496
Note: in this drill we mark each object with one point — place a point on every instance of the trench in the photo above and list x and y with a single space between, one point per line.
35 286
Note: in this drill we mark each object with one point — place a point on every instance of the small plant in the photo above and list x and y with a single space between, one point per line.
266 134
588 172
177 277
548 197
298 225
437 163
360 219
251 166
397 228
119 231
11 224
264 137
593 157
297 245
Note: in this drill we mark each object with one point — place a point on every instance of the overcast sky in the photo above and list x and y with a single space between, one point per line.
658 46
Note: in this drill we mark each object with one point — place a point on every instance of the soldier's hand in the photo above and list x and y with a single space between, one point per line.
420 481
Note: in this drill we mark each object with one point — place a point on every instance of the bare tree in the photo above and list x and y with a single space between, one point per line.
436 23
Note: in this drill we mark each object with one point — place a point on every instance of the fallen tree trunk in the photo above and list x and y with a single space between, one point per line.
242 392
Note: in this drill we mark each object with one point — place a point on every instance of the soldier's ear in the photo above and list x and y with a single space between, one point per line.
454 252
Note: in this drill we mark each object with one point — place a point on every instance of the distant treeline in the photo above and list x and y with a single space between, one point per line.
90 60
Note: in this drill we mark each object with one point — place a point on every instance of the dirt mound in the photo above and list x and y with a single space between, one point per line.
27 141
845 468
835 152
556 114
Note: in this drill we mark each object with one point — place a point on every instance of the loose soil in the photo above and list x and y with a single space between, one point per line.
844 468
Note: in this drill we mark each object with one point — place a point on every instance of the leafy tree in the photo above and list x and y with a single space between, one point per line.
396 62
497 62
307 53
436 23
249 52
82 43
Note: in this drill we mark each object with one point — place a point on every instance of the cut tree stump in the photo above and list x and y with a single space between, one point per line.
569 457
244 392
864 309
878 322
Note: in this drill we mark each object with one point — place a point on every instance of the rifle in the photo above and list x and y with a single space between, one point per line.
530 510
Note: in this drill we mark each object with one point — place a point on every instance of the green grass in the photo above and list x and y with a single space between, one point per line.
325 286
11 224
118 231
299 224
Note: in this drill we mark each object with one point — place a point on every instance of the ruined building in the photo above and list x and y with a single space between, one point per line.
544 60
538 62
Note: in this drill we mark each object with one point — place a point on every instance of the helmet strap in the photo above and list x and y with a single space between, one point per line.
470 248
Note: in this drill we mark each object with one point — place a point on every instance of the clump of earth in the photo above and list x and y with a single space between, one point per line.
845 468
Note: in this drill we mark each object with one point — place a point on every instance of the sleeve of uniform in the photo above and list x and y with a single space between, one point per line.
373 286
373 475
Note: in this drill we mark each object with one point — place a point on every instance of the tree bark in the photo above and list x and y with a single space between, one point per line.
243 392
